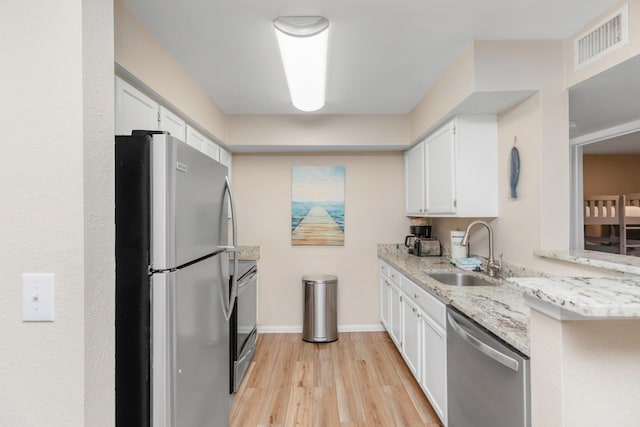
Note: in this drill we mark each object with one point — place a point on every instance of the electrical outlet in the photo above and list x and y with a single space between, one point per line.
38 300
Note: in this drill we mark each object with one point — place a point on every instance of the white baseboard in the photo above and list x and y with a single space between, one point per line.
360 328
298 329
279 329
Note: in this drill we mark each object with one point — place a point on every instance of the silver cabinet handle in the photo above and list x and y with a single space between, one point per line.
499 357
416 296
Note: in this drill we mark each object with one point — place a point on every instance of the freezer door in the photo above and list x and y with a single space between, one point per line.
191 346
189 207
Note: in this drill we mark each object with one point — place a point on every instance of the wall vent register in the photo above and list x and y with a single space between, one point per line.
605 37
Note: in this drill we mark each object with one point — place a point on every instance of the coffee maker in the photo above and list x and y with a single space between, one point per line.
417 232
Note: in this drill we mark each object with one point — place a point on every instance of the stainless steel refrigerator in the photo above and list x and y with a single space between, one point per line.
173 297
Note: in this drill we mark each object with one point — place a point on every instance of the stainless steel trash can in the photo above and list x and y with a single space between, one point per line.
320 323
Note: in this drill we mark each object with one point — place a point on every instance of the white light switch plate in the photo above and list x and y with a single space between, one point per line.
38 302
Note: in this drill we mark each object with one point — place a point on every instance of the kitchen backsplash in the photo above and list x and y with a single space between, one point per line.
508 270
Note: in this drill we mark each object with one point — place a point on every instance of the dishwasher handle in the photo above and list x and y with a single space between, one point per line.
496 355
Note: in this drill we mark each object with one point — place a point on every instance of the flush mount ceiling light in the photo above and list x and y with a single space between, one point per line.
303 47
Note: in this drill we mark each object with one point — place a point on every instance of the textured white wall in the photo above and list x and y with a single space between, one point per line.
41 364
99 213
44 367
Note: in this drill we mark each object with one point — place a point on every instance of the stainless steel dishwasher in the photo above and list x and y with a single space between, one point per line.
487 381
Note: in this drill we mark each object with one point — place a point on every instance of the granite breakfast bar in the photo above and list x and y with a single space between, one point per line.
582 334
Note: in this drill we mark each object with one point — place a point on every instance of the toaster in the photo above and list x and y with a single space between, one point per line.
427 247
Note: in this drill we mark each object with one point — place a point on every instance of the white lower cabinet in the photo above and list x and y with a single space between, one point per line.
415 320
434 365
411 335
395 315
384 301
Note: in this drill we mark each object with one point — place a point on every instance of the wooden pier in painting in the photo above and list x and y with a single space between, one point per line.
317 228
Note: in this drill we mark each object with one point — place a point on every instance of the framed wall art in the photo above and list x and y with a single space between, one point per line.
317 205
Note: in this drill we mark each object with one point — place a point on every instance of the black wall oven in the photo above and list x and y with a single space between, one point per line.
243 333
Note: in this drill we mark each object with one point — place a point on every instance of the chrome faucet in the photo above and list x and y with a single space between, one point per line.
493 266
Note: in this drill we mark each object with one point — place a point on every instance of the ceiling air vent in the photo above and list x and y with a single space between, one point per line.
606 36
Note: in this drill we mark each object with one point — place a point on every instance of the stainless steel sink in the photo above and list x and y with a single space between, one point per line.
460 279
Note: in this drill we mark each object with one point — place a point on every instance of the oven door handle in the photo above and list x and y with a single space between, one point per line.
254 339
246 281
496 355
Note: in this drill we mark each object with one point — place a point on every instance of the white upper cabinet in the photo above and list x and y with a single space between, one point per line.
195 139
212 150
414 179
460 175
134 110
440 172
173 124
225 159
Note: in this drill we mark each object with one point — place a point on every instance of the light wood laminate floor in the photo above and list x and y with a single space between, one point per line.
359 380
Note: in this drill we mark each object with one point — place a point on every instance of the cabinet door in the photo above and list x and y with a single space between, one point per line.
411 335
395 315
384 301
415 180
434 365
195 139
212 149
225 159
440 171
134 109
172 124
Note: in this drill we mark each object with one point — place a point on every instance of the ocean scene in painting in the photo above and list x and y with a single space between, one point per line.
317 205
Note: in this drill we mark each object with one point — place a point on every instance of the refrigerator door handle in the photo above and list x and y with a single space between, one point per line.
228 248
233 248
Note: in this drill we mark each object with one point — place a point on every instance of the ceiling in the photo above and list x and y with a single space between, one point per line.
383 55
606 100
624 144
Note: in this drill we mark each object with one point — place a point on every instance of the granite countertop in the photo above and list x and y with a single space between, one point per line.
247 253
591 297
501 309
614 262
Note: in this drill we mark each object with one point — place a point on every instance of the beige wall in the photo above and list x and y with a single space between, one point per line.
99 216
319 130
141 54
611 173
57 211
373 214
584 373
455 85
612 59
539 218
519 229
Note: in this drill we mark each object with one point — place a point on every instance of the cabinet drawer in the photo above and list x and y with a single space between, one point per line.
395 276
427 302
387 271
384 268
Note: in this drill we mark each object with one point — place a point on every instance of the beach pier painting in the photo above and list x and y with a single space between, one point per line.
317 205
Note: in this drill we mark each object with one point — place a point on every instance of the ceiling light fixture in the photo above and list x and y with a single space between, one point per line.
303 46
